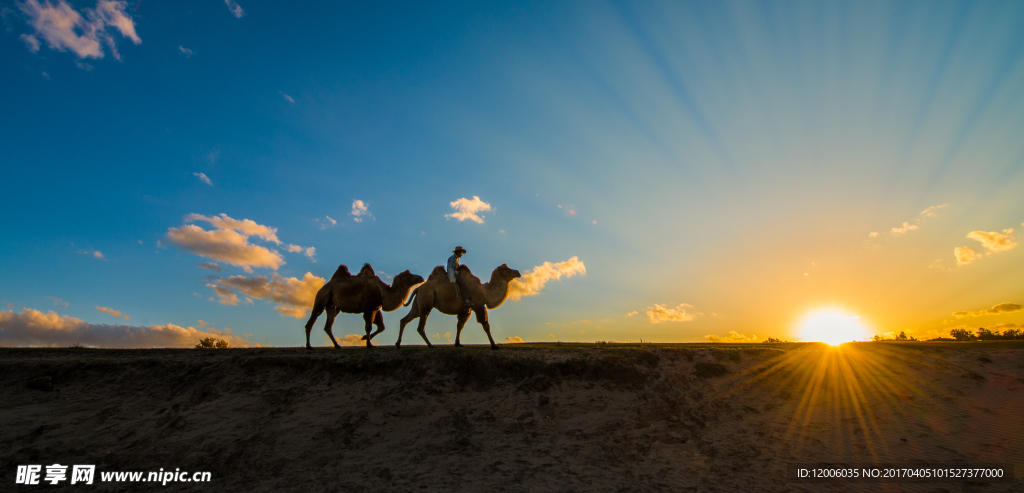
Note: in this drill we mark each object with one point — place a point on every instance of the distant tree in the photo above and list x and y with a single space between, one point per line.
211 343
772 340
902 336
987 335
877 338
961 334
1013 334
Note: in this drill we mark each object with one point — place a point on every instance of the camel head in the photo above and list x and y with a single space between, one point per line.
506 273
407 278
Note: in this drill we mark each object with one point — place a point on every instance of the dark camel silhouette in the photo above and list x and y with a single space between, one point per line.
363 293
438 293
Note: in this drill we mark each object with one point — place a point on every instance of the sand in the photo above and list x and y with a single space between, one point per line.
526 418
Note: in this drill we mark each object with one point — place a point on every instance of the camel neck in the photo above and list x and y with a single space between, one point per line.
497 291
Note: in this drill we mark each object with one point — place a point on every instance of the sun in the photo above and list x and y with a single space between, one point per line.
832 327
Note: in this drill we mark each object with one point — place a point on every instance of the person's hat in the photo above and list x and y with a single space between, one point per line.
459 249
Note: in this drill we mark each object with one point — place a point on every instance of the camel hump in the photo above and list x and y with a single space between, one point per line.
438 274
464 268
367 270
341 272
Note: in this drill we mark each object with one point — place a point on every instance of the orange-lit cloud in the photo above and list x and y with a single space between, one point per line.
111 311
995 310
903 229
993 241
293 296
328 223
63 28
660 313
534 280
469 209
229 243
94 254
35 328
309 252
964 255
513 340
908 226
630 314
732 337
360 211
930 212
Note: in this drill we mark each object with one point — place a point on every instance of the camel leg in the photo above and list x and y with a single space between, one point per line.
368 317
379 322
405 321
422 329
481 318
463 316
331 313
317 310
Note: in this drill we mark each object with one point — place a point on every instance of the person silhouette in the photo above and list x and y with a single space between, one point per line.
453 275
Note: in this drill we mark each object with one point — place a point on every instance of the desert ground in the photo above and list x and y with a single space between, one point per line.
551 417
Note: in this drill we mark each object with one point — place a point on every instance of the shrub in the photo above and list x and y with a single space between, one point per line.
772 340
961 334
210 343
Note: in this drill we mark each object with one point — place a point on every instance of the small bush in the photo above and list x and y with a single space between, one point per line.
773 340
211 343
704 369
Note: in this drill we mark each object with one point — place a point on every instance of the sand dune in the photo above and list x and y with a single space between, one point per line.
527 418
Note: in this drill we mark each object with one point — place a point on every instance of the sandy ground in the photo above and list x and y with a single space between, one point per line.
552 418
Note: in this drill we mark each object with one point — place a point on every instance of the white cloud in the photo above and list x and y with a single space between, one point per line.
993 241
35 328
185 51
326 224
94 254
660 313
235 9
287 97
360 211
60 24
293 296
964 255
83 66
309 252
534 280
513 340
732 337
229 243
468 209
203 178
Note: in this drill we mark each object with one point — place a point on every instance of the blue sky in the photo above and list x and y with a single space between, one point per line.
718 168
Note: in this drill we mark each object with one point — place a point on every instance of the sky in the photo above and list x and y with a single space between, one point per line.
657 171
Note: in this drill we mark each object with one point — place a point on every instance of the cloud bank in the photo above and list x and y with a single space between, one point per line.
732 337
35 328
469 209
229 242
534 280
292 296
60 24
995 310
660 313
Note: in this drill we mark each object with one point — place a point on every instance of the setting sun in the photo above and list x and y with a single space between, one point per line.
832 327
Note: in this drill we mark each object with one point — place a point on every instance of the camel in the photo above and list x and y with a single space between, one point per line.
363 293
438 293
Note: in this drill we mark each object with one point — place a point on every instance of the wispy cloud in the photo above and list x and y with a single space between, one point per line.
185 51
964 255
661 313
360 211
93 253
35 328
630 314
324 224
995 310
918 221
236 10
56 301
229 242
469 209
514 340
309 252
112 312
60 24
293 296
903 229
534 280
203 178
732 337
209 266
287 97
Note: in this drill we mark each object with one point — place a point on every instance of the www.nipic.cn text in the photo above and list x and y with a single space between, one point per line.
86 474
